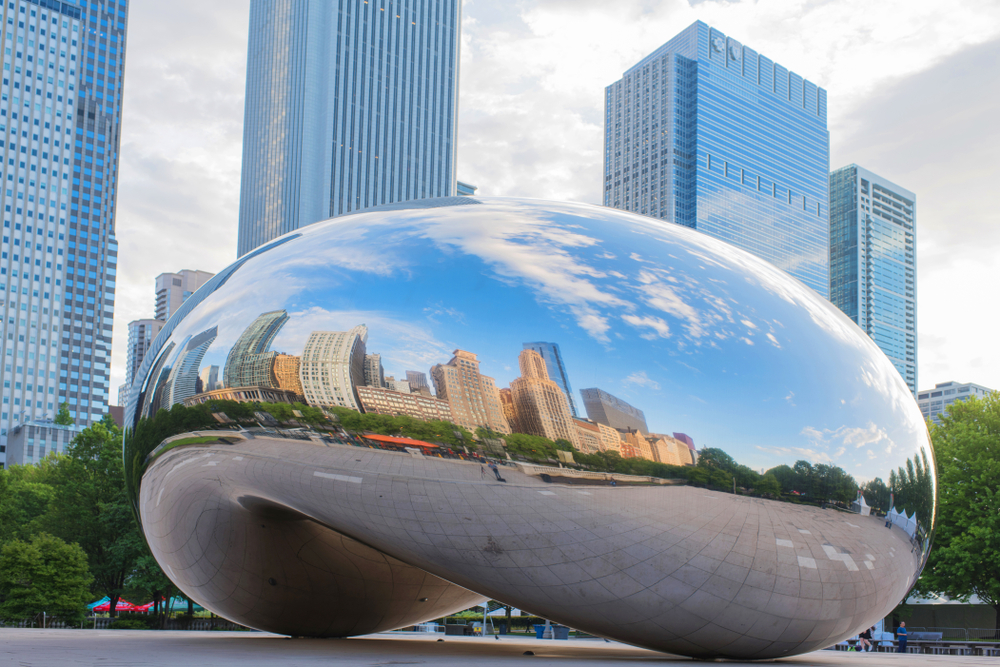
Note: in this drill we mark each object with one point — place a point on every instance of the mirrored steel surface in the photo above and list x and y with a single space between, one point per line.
763 408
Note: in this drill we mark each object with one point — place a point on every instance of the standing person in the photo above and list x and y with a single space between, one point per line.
901 637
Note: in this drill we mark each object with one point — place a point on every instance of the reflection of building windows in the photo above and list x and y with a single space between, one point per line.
332 366
474 398
249 361
540 406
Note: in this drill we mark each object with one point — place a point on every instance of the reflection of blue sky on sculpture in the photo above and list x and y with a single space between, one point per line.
705 339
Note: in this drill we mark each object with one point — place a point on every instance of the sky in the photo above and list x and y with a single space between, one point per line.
913 93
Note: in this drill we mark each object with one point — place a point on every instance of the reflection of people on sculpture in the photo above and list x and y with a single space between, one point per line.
613 482
496 471
901 637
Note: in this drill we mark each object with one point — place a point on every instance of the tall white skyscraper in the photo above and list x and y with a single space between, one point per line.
333 366
349 105
873 262
59 125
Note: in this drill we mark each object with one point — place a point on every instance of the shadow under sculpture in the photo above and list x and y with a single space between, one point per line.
325 497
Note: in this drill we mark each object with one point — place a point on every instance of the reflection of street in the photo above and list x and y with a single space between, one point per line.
616 554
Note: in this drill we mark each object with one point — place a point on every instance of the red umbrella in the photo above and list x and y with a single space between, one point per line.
123 605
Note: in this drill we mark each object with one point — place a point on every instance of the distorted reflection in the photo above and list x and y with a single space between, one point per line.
556 343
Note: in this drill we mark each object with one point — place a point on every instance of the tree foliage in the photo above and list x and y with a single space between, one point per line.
46 575
90 506
965 560
62 417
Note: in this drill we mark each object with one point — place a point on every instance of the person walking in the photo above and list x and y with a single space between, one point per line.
496 471
864 640
901 638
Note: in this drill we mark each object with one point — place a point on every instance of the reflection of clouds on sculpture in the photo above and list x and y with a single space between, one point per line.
623 295
530 248
403 344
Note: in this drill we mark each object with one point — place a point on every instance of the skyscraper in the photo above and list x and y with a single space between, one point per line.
556 368
374 373
333 367
348 105
612 411
707 133
250 361
474 398
873 262
540 405
59 121
173 289
140 336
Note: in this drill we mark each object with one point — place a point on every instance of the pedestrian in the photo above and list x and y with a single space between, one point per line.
901 638
496 471
864 643
613 482
482 471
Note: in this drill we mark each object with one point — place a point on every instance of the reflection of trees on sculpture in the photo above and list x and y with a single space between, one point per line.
877 495
820 482
965 560
913 487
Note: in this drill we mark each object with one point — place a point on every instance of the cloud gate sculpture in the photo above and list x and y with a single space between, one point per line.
613 422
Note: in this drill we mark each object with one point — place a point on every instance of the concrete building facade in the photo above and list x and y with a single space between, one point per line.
382 401
474 398
250 361
540 405
333 367
29 443
934 402
173 289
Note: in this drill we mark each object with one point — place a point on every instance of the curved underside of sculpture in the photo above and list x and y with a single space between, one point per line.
336 540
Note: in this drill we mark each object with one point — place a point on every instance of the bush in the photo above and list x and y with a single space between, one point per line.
119 624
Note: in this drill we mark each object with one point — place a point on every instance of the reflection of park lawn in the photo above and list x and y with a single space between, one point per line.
200 440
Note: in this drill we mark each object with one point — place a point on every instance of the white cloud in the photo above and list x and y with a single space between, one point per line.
533 76
640 379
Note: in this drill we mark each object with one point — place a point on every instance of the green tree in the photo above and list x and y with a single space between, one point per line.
769 486
62 417
965 560
24 498
90 506
43 575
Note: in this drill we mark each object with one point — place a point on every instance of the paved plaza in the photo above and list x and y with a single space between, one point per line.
124 648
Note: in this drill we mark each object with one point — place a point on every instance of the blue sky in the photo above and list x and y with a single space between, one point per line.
706 340
912 85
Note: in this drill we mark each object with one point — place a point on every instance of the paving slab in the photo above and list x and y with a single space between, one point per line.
138 648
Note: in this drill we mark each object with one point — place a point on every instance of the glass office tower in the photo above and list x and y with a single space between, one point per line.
556 368
348 105
873 262
707 133
59 121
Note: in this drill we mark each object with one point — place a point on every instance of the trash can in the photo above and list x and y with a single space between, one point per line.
539 630
560 632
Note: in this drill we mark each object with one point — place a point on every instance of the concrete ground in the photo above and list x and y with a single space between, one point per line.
137 648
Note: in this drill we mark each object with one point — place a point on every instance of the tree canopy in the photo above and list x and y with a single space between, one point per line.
965 560
43 575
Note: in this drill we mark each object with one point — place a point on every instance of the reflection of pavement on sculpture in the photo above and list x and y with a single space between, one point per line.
254 531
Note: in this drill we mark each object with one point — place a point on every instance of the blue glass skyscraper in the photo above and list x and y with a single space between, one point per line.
349 104
556 368
707 133
873 262
60 115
